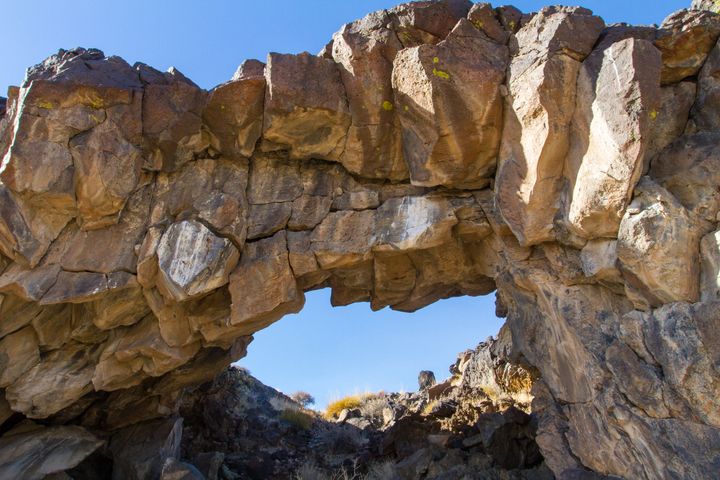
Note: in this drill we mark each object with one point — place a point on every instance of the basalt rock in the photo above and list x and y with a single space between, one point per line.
148 227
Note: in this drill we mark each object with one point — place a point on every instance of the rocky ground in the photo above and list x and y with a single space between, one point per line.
473 425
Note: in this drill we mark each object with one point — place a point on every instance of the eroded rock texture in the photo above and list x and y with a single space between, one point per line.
149 227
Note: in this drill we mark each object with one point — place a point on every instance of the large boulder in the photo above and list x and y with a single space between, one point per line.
617 103
536 132
306 109
450 108
34 451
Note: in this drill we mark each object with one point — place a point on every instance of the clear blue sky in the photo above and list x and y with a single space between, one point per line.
328 352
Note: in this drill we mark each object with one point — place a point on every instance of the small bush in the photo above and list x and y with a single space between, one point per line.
303 398
334 408
352 401
298 418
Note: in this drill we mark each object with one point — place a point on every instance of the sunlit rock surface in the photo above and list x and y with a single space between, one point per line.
149 227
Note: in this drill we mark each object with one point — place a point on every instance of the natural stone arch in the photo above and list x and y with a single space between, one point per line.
296 175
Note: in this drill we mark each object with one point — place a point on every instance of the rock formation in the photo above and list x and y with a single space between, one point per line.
149 227
471 425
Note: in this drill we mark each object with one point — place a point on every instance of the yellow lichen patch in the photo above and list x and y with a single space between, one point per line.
442 74
478 24
387 105
95 102
436 60
46 105
653 114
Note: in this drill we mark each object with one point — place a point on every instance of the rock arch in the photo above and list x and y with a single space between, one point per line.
149 227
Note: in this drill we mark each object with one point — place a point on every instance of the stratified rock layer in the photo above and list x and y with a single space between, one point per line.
148 227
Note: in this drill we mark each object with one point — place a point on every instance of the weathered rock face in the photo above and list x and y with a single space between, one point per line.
440 148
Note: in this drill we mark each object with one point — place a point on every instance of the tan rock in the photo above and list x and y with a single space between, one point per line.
658 249
482 16
351 285
234 113
413 223
39 452
273 180
193 261
303 262
613 123
61 378
394 279
710 267
308 211
17 240
214 190
107 171
672 116
305 106
364 51
685 38
599 260
542 90
437 88
263 287
30 285
18 354
251 68
81 287
266 219
344 238
77 250
137 352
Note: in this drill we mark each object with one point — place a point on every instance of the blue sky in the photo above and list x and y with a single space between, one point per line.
327 352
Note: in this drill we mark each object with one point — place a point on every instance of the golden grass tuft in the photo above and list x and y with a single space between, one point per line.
298 418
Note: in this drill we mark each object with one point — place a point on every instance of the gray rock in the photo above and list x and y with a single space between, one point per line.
33 451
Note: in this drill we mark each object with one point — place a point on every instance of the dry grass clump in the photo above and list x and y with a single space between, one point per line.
334 408
298 418
351 401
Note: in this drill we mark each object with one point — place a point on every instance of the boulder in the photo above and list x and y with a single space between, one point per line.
710 267
612 127
193 261
234 113
658 249
35 451
263 287
306 108
536 131
141 451
437 88
685 40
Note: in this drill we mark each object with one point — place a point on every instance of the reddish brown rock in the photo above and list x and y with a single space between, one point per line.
306 109
437 89
234 113
263 287
685 39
